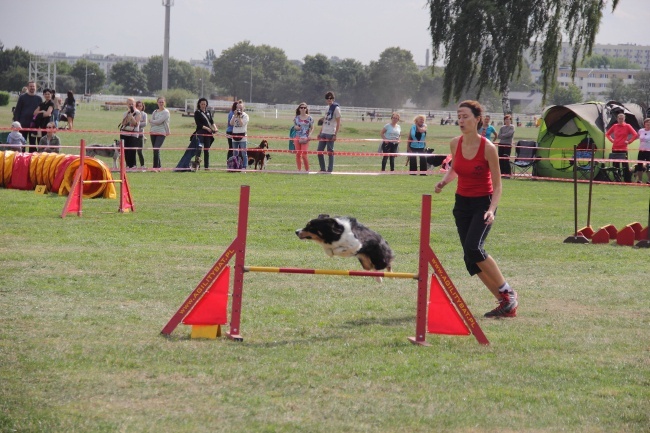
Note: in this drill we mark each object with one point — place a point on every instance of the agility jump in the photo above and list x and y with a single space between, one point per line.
453 316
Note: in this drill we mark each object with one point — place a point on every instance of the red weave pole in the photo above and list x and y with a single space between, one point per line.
240 259
423 272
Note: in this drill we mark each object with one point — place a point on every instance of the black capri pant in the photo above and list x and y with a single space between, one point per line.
472 230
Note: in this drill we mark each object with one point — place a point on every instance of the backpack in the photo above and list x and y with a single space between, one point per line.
234 163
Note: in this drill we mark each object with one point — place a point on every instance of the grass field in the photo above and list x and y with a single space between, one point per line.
84 300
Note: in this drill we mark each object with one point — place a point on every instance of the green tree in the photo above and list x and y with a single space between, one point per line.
84 70
393 77
14 66
127 75
181 74
232 69
618 90
566 95
640 89
350 76
317 78
483 40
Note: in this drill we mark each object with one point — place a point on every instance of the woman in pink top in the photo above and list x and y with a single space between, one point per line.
476 165
621 134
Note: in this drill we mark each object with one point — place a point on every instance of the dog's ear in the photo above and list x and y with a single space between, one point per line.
323 216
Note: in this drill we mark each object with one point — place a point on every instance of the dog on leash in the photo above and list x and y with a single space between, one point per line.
258 157
110 151
346 237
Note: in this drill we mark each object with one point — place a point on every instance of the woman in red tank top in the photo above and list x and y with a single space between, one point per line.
476 165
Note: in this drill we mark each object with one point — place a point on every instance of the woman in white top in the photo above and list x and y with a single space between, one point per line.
239 124
143 123
644 151
303 123
159 130
390 133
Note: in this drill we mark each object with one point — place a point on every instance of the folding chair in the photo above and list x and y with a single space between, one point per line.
525 158
583 162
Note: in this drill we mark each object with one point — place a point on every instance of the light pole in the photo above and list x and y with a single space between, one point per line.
250 95
89 51
86 85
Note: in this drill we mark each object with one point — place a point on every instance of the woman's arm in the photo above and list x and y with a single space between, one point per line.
160 117
451 174
492 157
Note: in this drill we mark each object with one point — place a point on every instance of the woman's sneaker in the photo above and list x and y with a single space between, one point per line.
507 306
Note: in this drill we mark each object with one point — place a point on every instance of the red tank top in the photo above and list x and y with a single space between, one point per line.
474 177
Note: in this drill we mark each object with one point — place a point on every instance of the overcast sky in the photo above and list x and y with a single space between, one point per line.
358 29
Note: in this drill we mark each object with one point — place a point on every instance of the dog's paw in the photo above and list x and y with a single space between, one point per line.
379 279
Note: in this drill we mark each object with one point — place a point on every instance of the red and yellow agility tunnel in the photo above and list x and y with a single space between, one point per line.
56 171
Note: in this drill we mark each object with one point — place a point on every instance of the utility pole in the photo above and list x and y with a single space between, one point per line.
165 67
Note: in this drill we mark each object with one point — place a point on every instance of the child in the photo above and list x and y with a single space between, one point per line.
15 137
50 142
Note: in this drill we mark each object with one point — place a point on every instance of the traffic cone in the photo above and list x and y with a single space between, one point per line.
442 317
75 196
211 310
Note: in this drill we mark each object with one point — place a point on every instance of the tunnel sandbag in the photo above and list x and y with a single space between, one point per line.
20 173
8 167
93 170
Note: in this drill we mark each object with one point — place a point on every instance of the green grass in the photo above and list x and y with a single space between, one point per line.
84 300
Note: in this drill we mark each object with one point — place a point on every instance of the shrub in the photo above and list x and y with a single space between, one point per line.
4 99
176 97
150 106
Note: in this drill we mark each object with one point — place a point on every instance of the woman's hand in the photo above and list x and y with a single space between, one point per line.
439 186
488 217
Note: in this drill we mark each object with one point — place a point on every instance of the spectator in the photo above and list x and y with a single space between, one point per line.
140 138
644 152
417 144
229 127
159 130
478 192
205 128
328 132
506 134
390 133
621 134
303 124
24 112
239 124
50 142
56 100
43 114
70 108
487 130
129 132
15 139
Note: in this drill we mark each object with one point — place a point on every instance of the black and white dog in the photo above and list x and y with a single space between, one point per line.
346 237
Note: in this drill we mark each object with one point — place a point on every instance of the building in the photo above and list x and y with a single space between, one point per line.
594 83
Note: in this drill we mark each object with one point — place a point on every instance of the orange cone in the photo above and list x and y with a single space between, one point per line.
442 317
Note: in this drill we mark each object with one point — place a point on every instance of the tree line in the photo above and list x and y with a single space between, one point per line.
388 82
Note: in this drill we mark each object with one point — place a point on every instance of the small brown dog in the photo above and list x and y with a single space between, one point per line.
258 157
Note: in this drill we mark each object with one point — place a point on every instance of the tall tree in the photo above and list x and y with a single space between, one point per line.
317 78
483 40
640 90
566 95
181 74
14 64
350 75
84 70
393 77
127 75
618 90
